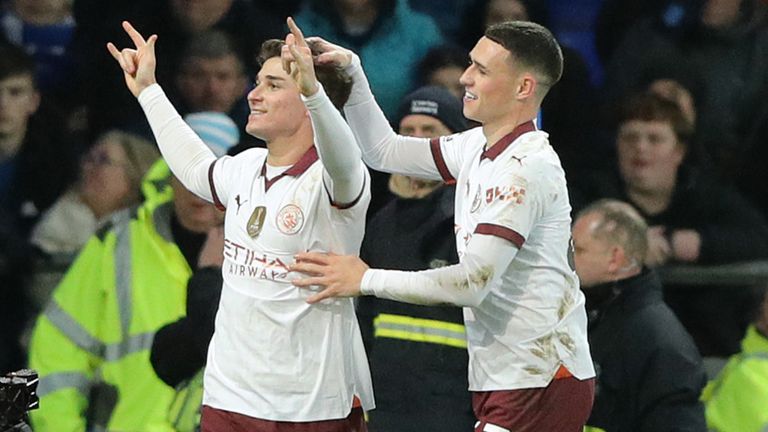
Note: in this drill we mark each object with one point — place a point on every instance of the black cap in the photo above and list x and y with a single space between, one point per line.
435 102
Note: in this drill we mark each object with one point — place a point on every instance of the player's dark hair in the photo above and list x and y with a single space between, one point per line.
532 45
336 83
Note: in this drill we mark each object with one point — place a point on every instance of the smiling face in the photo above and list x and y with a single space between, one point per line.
490 83
275 103
649 155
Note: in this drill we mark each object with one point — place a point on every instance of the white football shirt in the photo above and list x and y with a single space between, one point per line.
273 356
525 316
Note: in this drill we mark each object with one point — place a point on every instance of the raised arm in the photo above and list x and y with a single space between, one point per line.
382 148
186 154
344 172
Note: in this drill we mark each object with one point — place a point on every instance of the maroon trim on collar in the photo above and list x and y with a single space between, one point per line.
502 144
442 167
216 200
306 161
503 232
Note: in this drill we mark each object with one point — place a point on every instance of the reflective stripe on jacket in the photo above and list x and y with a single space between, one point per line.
419 330
91 344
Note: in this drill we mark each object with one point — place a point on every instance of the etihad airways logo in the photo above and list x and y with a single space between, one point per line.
246 262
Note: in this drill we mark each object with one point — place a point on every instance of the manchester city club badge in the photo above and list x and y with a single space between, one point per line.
256 221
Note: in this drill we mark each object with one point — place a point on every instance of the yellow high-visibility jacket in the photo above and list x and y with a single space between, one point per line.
737 400
91 344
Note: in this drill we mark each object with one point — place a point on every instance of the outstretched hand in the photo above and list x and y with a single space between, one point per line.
138 63
331 54
339 275
297 60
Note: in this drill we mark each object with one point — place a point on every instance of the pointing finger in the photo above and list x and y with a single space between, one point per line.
136 37
296 32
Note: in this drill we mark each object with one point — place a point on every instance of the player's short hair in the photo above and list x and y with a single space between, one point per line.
532 45
336 83
14 62
652 107
620 225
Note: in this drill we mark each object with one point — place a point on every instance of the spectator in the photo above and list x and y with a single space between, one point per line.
110 179
418 354
694 218
32 141
649 373
44 29
179 349
454 17
726 42
617 16
212 77
16 266
91 344
176 22
735 401
388 34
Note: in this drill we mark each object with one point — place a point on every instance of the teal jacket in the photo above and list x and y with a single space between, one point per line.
390 51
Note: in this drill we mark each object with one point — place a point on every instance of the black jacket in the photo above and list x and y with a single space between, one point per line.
418 386
731 230
649 373
179 349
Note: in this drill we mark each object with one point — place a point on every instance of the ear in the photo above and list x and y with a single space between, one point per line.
617 260
681 149
526 86
34 102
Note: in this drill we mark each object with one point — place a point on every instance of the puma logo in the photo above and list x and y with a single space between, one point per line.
237 201
519 159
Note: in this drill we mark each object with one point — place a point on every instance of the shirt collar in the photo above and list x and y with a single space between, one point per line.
505 141
306 161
